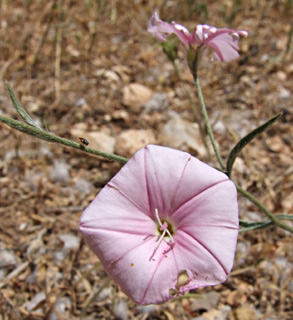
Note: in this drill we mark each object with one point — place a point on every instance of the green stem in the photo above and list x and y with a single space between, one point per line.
44 135
207 122
195 111
276 221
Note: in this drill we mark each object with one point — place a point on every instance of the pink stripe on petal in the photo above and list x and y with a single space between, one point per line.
125 225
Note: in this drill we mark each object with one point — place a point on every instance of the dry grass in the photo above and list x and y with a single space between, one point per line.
54 54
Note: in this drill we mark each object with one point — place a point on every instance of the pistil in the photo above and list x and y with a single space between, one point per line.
164 228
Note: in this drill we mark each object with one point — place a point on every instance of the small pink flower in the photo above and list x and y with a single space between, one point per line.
164 213
224 41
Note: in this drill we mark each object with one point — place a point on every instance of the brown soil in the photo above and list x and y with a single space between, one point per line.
68 62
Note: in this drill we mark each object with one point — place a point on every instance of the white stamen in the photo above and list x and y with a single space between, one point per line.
165 230
158 218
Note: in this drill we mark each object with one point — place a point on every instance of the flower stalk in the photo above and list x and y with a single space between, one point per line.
193 106
207 122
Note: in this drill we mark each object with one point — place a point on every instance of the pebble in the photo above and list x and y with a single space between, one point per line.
130 141
83 186
243 313
206 302
149 309
108 74
39 297
136 95
242 252
61 307
81 103
158 101
284 93
240 166
241 122
7 259
59 172
42 151
120 310
219 127
215 314
181 134
105 293
253 216
70 241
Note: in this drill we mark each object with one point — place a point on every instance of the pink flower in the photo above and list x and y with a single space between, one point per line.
164 213
224 41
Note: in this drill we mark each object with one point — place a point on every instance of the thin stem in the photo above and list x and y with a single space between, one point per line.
44 135
207 122
276 221
192 102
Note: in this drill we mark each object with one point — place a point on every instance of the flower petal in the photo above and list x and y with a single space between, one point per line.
122 229
143 280
223 41
112 225
225 47
161 30
216 205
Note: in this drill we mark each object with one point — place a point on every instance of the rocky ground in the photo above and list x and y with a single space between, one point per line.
90 69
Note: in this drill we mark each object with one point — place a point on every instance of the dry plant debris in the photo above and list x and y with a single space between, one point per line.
70 62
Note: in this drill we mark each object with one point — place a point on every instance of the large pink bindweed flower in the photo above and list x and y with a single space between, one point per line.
223 41
165 213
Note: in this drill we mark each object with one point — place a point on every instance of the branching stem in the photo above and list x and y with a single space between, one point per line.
44 135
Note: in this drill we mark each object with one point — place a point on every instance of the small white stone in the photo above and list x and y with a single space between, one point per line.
62 306
219 127
70 241
130 141
284 93
39 297
181 134
59 172
7 259
120 310
83 186
158 101
135 95
149 309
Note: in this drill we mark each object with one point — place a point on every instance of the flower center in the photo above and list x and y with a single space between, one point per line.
164 229
167 224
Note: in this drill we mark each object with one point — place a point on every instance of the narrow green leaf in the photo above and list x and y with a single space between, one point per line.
260 225
253 225
27 118
248 224
245 140
285 216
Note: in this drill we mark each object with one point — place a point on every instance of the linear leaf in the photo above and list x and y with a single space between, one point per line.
253 225
27 118
245 140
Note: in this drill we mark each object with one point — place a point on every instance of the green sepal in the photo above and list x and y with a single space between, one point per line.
169 48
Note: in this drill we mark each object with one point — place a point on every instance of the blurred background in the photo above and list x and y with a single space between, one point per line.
90 69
